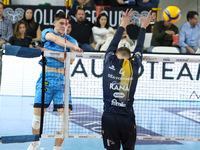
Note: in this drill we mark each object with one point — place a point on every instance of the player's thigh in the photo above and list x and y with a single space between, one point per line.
48 93
58 97
128 133
110 132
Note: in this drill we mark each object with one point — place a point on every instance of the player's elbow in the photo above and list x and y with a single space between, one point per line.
51 37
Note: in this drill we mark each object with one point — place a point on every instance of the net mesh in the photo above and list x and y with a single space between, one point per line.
167 105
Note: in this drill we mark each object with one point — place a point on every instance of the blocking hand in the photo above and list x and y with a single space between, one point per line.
146 21
125 21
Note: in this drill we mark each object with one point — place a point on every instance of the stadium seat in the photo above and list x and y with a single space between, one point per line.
165 49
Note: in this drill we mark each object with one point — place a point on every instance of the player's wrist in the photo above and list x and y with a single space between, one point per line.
123 25
74 47
142 26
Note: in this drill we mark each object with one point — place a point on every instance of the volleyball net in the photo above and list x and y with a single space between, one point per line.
167 99
167 104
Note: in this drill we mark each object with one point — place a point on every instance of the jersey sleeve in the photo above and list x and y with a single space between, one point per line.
138 52
71 39
44 32
114 44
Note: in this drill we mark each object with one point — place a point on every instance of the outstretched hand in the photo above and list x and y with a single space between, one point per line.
77 49
125 21
146 21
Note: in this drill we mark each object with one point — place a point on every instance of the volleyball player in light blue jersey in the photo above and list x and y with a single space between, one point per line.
54 40
52 62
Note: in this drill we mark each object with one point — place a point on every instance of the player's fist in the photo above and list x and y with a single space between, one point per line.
78 49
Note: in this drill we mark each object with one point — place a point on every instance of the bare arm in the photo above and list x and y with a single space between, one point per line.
144 24
38 34
61 41
145 1
120 2
2 42
59 59
170 32
44 49
190 49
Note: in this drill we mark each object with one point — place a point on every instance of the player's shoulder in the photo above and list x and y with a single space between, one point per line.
45 31
48 30
71 39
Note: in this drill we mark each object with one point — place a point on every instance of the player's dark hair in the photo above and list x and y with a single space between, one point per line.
191 14
124 51
60 15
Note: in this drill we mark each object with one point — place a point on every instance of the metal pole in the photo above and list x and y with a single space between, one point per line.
43 92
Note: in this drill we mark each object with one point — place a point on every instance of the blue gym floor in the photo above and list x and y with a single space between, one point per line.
16 114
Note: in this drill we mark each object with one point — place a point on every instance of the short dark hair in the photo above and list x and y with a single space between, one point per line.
99 17
79 8
124 51
60 15
191 14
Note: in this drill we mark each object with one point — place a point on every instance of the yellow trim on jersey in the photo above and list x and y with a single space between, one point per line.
126 79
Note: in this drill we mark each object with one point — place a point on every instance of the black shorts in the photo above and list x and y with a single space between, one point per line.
117 130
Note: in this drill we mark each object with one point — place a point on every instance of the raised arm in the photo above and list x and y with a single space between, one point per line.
140 41
125 21
61 41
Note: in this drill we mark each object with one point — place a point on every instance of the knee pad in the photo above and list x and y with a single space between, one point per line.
34 145
61 123
36 122
56 148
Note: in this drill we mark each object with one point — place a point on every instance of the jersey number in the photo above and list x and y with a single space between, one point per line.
120 72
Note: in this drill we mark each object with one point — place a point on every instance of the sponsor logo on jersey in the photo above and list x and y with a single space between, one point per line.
112 67
117 86
114 102
118 78
118 95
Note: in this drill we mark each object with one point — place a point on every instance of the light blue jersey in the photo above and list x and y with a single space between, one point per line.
53 81
52 62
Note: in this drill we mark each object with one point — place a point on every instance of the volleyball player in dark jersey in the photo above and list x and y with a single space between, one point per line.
120 76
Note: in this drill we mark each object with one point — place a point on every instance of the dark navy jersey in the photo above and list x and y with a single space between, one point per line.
120 76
